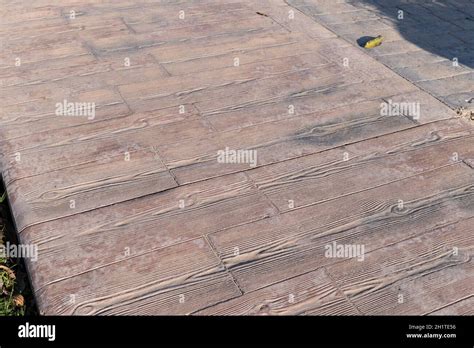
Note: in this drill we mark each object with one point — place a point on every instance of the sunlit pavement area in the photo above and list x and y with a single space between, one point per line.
241 157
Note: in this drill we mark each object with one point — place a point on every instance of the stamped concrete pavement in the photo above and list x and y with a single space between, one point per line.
430 43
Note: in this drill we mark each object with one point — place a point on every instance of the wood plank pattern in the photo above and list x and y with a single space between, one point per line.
306 180
436 266
188 271
433 27
312 293
151 222
133 210
274 249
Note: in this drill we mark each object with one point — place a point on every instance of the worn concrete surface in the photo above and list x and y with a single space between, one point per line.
351 191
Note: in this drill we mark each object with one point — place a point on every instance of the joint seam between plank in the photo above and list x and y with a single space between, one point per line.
260 192
221 262
341 292
204 118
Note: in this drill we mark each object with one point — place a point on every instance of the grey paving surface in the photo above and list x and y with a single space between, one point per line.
428 42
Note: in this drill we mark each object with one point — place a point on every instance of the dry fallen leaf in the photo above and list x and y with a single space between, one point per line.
464 112
10 273
19 300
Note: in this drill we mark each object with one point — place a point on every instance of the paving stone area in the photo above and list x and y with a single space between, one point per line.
430 43
213 157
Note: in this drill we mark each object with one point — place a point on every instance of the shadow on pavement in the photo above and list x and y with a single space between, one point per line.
442 27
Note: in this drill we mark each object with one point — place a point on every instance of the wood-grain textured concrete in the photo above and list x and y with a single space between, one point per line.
135 209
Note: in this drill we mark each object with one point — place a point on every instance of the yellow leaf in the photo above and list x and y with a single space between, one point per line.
374 42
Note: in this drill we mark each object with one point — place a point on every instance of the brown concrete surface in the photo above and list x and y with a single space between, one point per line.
138 207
